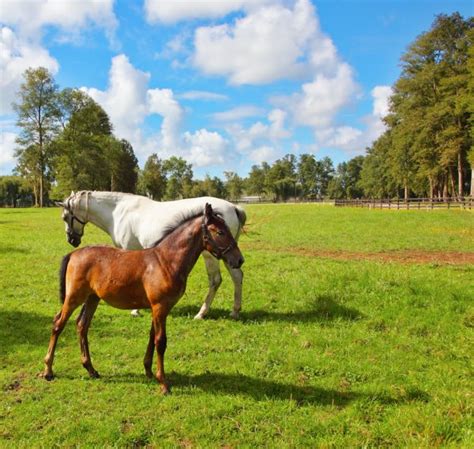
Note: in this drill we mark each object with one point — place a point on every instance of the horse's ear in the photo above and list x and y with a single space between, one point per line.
208 211
59 203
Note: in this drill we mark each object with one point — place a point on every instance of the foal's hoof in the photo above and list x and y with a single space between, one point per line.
94 374
165 390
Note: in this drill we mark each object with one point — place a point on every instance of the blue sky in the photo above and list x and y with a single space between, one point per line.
224 84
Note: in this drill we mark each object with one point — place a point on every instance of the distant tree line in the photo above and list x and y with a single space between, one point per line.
66 142
427 149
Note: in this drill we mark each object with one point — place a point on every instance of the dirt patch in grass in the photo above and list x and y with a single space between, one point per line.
400 256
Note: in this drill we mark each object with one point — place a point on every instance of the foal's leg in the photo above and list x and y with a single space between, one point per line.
148 360
59 322
83 322
215 280
237 276
159 323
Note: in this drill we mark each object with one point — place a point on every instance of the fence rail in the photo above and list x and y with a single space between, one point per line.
410 203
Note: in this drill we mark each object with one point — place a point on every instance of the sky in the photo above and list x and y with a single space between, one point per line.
223 84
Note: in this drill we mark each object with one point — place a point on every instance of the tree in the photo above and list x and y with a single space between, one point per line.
346 182
429 109
38 119
281 179
255 183
152 181
86 151
180 178
233 185
123 167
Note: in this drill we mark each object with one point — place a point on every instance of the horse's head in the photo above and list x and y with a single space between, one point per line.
74 219
218 239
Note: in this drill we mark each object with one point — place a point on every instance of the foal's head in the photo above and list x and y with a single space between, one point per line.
218 239
74 223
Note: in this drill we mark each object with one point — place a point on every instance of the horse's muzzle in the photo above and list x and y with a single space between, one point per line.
74 240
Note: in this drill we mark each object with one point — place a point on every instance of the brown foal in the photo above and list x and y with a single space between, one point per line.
152 278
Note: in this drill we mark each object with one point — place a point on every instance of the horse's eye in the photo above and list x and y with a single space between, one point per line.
220 232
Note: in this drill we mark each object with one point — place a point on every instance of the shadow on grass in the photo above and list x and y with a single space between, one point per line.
7 249
20 328
324 309
264 389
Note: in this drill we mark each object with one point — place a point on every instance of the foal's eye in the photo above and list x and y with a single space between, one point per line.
220 232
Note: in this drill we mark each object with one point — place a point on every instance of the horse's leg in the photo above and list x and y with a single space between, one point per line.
215 280
148 360
59 322
159 323
82 323
237 276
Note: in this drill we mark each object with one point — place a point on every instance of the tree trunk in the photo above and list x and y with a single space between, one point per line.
405 191
460 176
431 187
472 181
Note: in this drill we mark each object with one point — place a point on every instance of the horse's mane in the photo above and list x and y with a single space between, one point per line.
179 220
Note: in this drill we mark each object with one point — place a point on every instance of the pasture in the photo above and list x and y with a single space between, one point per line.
356 331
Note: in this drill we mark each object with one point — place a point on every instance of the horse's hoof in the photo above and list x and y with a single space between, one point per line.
48 376
94 375
149 374
135 313
235 315
199 317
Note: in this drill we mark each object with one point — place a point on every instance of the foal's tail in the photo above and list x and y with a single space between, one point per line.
62 277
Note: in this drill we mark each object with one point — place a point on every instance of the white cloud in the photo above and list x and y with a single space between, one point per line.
238 113
205 148
169 11
381 96
264 154
125 99
352 140
267 44
202 95
162 102
7 147
69 15
319 101
128 100
16 55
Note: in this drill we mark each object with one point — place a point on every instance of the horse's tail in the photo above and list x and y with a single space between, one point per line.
242 216
62 277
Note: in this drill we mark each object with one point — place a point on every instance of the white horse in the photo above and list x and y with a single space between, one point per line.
137 222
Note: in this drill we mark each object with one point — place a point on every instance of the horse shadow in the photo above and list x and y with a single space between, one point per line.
322 309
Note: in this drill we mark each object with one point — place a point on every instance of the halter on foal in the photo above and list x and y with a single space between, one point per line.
152 278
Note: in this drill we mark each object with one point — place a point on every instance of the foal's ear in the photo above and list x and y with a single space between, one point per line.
208 211
59 203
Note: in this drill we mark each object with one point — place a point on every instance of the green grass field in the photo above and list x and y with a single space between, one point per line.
345 340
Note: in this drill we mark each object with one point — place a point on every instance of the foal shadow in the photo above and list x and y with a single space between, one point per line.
261 389
323 309
258 389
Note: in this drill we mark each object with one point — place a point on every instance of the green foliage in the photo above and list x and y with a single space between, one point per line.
179 176
37 117
328 352
152 182
429 117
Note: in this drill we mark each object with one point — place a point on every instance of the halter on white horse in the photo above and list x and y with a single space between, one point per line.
136 222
